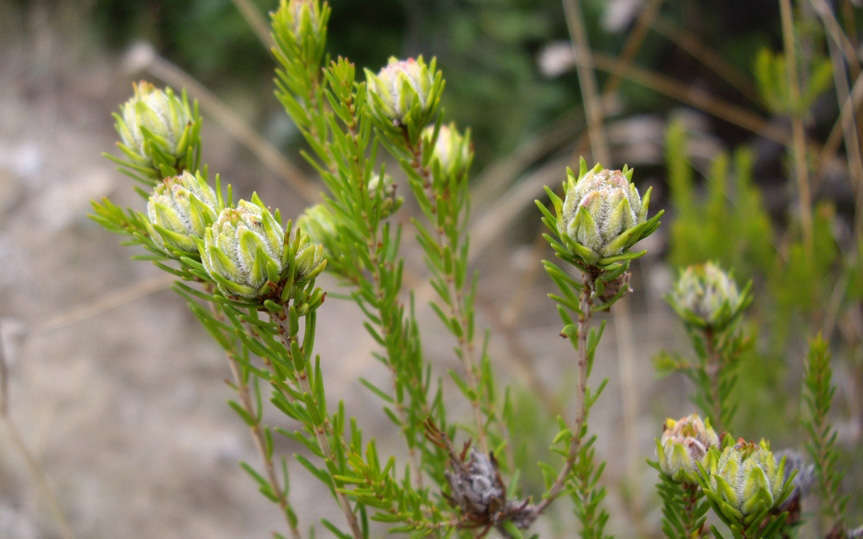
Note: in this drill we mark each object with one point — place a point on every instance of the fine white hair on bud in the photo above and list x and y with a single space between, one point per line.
707 296
151 117
600 207
180 208
243 249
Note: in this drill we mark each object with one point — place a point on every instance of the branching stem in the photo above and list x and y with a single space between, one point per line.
456 305
241 386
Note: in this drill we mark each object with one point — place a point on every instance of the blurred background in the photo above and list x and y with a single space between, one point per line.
117 393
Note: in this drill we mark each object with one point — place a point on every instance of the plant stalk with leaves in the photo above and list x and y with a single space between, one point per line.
601 216
818 393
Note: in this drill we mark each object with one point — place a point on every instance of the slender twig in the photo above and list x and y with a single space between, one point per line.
689 43
36 470
322 431
834 30
846 118
106 302
456 305
693 96
257 21
851 138
575 442
241 386
589 92
714 367
801 172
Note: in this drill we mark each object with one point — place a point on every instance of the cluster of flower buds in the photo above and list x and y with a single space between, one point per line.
707 297
684 444
158 130
404 93
301 27
383 188
452 151
745 481
180 209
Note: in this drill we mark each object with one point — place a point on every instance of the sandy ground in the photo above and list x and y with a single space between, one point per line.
119 394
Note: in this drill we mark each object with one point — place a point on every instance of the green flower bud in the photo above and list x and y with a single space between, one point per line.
404 92
600 208
452 150
318 223
684 443
745 480
180 209
244 249
309 258
303 23
154 123
390 202
706 296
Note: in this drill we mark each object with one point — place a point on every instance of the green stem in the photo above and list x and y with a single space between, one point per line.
714 371
581 394
323 430
457 307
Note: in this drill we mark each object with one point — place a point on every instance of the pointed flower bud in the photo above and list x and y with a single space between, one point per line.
684 443
300 28
390 202
180 209
155 125
244 249
452 150
706 296
404 92
309 258
318 223
745 480
603 211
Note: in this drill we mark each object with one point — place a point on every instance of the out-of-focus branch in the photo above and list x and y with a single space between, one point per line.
257 21
33 466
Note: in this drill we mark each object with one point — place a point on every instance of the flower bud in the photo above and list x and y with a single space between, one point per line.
180 209
602 210
706 296
404 91
303 23
152 123
244 249
318 223
684 443
745 480
309 258
390 202
452 150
